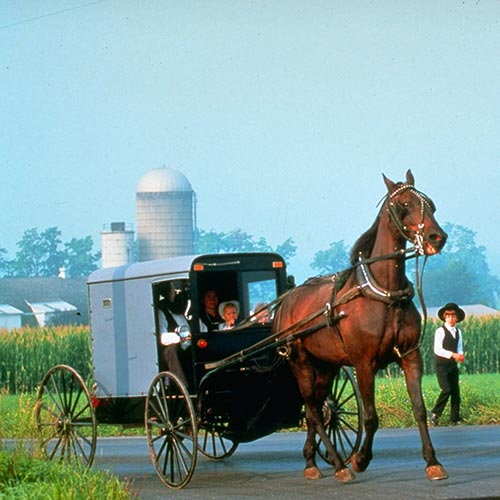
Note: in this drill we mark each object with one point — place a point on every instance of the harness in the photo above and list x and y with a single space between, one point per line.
366 284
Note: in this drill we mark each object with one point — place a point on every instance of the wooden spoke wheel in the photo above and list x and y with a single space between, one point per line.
343 416
211 442
65 417
171 430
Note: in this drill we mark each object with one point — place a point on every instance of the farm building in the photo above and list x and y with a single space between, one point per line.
42 301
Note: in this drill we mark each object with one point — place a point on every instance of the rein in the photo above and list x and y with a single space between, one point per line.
366 286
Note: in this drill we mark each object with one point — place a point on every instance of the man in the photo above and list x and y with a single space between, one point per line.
174 335
448 351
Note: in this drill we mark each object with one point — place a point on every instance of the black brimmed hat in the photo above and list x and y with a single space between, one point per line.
451 306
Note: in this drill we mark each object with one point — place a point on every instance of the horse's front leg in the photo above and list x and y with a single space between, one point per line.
412 368
366 383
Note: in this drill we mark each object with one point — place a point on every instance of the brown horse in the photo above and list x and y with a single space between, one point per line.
365 318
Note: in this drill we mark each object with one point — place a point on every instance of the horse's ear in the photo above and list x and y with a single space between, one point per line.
410 180
391 186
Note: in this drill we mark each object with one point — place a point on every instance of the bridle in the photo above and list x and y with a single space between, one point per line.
425 201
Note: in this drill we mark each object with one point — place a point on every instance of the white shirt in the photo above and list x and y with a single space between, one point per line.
166 337
438 343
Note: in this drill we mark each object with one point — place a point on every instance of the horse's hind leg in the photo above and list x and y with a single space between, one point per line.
366 383
412 368
313 387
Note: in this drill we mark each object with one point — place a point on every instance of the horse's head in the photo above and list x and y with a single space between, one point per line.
412 212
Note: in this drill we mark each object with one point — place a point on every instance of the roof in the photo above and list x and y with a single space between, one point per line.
172 265
6 309
18 292
470 310
48 307
161 180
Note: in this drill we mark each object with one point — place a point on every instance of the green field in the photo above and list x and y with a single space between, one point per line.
29 352
27 475
480 405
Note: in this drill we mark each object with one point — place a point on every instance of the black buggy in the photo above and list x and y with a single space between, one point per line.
241 385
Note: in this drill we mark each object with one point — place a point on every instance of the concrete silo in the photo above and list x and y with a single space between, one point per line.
164 215
117 245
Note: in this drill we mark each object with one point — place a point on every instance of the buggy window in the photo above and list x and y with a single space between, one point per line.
259 287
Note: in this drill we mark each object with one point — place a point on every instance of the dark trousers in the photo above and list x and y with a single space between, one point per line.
447 376
176 360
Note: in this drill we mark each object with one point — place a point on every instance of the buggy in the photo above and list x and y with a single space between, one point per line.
241 387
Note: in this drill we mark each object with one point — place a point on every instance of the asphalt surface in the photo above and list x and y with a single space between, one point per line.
272 467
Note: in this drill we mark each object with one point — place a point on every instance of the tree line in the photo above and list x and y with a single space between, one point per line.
460 273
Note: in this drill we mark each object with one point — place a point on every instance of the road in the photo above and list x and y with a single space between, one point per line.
272 468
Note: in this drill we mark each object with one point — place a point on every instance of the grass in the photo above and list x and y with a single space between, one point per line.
27 475
480 400
480 405
24 474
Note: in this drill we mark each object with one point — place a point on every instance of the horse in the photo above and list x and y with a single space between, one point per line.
364 317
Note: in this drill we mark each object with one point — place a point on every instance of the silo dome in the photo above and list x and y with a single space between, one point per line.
165 215
163 180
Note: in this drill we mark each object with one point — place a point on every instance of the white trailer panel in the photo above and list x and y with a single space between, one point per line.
123 324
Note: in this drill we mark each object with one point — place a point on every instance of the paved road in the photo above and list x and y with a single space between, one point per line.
272 468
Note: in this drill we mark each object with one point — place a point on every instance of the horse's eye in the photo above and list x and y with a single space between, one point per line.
406 205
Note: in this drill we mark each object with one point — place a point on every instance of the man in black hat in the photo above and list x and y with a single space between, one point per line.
448 350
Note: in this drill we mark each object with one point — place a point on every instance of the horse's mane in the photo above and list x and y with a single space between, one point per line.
364 244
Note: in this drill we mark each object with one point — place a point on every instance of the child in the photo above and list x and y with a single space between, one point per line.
229 311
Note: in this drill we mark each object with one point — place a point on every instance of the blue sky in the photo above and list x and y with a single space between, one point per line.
283 115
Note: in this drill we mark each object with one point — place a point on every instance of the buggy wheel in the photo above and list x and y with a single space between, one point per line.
65 417
171 430
343 416
212 444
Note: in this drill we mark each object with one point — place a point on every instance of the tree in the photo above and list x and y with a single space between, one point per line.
38 254
4 264
460 273
330 261
239 241
79 258
287 249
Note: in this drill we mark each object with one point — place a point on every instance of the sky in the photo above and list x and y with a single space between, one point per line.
283 115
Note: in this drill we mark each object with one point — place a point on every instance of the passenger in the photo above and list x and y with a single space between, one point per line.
174 335
261 313
210 318
229 311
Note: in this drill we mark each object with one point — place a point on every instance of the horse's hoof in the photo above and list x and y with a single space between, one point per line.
312 473
344 475
356 466
436 473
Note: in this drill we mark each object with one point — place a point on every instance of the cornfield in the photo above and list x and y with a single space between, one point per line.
481 340
27 353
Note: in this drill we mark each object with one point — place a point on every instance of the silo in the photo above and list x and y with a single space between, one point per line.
117 245
164 215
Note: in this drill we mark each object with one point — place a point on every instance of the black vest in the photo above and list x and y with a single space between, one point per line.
449 343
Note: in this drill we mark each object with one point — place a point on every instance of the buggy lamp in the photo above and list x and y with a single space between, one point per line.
202 343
